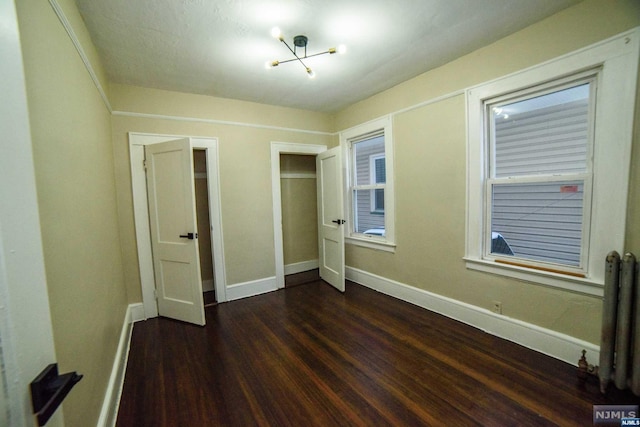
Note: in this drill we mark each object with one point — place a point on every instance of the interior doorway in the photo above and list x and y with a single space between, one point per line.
299 218
201 188
278 150
137 143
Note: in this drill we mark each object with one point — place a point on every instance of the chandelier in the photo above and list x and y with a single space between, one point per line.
300 42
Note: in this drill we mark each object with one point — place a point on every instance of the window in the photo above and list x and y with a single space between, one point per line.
377 167
548 167
539 171
370 187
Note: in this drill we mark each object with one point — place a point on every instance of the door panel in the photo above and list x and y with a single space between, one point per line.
330 214
172 217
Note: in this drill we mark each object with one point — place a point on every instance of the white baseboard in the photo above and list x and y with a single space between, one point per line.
252 288
546 341
299 267
137 312
109 411
207 285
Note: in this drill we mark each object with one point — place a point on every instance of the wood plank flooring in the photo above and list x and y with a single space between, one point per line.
311 356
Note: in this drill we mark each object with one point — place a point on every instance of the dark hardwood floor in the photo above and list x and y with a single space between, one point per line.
297 279
311 356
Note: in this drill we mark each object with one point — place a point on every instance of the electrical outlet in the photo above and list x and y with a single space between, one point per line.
497 307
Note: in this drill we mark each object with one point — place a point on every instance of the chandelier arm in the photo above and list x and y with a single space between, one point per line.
317 54
294 54
289 47
288 60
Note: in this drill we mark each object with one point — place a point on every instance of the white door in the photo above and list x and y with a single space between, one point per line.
172 217
330 217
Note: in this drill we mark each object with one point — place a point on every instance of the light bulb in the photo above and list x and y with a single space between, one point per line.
275 32
342 49
311 73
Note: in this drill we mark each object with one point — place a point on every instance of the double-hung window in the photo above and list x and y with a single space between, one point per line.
538 190
548 161
370 199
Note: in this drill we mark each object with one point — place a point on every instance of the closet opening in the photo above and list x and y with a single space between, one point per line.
201 188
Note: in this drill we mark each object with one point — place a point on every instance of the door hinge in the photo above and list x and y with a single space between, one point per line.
144 164
155 293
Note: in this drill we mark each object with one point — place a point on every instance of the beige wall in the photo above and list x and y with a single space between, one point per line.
73 158
84 205
430 150
245 167
299 209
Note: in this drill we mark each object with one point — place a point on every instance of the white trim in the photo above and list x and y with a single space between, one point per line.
617 62
373 243
278 148
111 403
83 56
556 280
216 122
555 344
26 335
300 267
137 312
347 139
215 212
251 288
137 141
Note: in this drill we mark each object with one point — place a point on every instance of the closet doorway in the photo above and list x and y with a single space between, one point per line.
291 174
299 218
201 188
137 144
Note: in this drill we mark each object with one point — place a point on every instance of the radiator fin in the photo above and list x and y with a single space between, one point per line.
620 338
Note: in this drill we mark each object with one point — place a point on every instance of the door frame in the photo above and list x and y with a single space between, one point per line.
26 329
137 142
278 148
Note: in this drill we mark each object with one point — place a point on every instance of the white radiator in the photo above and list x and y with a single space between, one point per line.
620 341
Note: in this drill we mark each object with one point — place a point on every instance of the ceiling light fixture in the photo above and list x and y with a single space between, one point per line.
300 42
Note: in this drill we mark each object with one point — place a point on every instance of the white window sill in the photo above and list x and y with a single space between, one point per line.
556 280
371 243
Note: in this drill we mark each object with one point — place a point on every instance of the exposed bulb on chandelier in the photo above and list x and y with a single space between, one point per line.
275 32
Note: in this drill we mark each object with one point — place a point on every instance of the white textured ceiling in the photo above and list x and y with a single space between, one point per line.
219 47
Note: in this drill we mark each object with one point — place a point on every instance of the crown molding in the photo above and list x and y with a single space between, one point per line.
83 56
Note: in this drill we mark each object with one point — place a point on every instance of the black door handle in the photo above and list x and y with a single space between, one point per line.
189 236
339 221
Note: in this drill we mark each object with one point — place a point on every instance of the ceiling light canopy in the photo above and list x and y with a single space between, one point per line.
300 42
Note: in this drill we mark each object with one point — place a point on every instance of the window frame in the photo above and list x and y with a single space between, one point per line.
347 139
590 77
615 64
